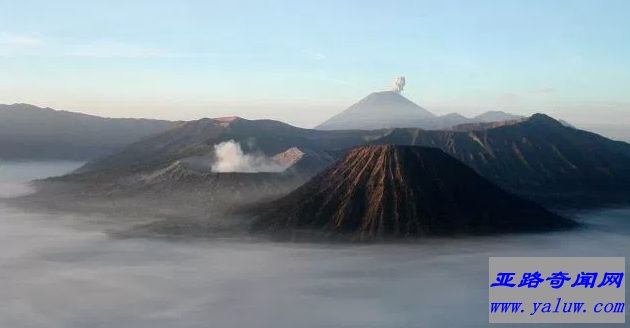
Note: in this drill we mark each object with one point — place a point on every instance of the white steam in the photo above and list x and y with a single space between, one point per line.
230 158
398 84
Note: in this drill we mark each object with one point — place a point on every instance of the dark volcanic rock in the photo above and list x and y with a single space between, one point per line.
385 190
538 158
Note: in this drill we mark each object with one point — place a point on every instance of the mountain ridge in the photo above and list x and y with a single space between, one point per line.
538 158
28 132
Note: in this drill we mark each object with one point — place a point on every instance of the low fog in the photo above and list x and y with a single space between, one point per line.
15 176
230 158
56 272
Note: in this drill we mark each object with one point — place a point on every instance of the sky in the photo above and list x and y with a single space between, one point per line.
304 61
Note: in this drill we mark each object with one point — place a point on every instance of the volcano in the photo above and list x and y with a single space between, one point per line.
378 110
397 191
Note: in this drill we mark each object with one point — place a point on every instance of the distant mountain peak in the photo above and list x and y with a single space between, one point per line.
391 98
541 118
497 112
378 110
386 93
454 115
228 119
496 116
25 106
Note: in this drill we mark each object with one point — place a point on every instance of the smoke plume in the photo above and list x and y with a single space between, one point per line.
230 158
398 84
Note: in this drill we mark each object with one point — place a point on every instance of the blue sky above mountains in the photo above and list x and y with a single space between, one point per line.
303 61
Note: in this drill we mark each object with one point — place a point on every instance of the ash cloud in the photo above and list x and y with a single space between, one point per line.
231 158
398 84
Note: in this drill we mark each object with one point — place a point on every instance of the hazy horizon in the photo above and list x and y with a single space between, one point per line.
304 62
